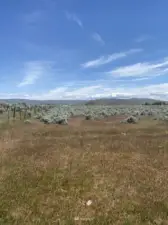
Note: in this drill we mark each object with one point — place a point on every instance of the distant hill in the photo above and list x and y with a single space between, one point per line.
37 102
115 101
106 101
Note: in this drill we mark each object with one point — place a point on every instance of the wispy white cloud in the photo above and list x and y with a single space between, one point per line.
144 69
98 38
33 71
157 91
108 59
70 93
81 93
139 79
73 17
143 38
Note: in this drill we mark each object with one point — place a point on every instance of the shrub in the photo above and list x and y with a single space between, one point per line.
143 113
38 116
54 120
150 113
136 113
29 114
2 110
130 119
62 121
89 116
27 122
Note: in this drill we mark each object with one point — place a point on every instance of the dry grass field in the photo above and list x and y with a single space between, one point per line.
88 172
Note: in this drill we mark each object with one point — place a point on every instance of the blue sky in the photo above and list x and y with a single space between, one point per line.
76 49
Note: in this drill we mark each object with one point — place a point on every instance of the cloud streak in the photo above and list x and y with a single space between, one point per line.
33 71
144 69
100 91
108 59
73 17
143 38
157 91
98 38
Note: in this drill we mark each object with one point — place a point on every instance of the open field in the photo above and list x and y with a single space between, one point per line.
87 172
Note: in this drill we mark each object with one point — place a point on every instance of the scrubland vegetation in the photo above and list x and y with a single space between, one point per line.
83 164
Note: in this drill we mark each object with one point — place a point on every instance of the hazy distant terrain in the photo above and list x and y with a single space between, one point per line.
114 101
111 101
37 102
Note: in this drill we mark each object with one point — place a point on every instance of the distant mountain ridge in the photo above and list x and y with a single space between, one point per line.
119 101
105 101
37 102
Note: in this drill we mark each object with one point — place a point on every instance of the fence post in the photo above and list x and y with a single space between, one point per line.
14 112
25 113
8 110
20 113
